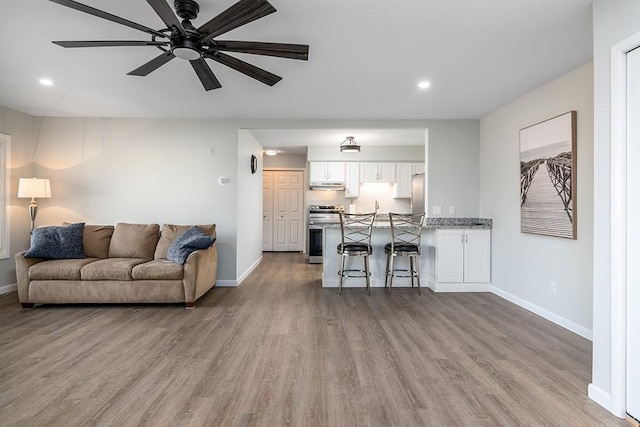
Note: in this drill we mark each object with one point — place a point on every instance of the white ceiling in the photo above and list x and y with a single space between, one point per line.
366 57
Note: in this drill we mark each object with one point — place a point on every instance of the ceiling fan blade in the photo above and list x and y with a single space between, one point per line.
206 76
104 15
152 65
241 13
281 50
245 68
107 43
167 15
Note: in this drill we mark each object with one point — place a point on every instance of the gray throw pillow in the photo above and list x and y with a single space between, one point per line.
191 240
57 242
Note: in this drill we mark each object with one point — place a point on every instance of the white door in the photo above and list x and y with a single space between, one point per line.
450 256
288 211
633 233
477 256
267 211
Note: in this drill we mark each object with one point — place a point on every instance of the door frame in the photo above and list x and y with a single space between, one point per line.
618 223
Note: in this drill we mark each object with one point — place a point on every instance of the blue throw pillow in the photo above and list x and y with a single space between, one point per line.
191 240
57 242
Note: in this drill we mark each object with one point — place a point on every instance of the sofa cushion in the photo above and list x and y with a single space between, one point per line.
171 231
110 269
57 242
134 240
58 269
158 269
95 240
189 241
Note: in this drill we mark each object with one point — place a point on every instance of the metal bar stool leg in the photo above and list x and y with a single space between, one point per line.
366 272
391 273
412 271
386 271
341 273
417 264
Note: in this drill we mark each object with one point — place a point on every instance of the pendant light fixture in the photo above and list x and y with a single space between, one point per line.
349 145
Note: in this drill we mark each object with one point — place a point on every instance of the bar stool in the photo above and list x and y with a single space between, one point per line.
355 230
406 230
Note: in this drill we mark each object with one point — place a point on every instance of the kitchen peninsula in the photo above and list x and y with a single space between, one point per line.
456 255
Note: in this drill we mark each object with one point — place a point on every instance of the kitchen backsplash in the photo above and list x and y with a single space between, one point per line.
369 193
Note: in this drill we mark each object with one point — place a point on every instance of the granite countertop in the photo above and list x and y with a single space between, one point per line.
433 223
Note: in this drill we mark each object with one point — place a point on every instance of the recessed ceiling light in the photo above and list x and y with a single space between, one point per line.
46 82
270 151
424 85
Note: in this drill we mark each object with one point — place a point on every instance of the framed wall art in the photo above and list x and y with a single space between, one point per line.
548 177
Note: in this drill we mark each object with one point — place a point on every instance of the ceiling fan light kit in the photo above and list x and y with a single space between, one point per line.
183 40
349 145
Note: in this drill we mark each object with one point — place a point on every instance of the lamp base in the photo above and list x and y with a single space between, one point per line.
33 212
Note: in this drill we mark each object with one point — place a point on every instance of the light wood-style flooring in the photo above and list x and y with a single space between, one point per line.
279 350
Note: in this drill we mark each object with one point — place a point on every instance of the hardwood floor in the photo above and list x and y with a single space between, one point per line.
280 350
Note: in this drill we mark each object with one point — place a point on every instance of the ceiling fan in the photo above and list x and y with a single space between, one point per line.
183 40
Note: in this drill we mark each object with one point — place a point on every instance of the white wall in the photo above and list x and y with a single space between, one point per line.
22 128
613 21
249 242
286 161
524 265
141 171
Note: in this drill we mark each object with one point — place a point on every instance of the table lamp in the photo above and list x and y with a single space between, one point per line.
34 187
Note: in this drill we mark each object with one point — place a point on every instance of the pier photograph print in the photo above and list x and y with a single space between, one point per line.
548 177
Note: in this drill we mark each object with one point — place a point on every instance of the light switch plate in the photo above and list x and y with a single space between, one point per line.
452 210
437 210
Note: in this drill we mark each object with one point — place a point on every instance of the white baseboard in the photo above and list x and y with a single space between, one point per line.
461 287
542 312
5 289
249 270
600 397
226 283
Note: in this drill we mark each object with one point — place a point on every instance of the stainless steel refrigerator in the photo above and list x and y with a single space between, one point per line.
417 193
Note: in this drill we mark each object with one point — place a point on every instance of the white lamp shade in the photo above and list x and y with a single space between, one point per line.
34 188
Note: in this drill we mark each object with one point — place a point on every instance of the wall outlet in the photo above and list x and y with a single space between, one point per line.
452 210
437 210
553 288
212 151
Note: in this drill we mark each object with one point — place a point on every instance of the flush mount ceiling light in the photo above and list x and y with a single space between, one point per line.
46 82
349 145
424 85
270 151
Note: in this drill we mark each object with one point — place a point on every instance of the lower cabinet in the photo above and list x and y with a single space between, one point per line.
463 260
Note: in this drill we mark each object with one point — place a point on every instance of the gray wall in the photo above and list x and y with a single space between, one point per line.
22 128
106 170
524 265
286 161
613 22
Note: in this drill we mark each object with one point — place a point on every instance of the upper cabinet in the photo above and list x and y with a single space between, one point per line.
352 181
377 172
326 172
404 176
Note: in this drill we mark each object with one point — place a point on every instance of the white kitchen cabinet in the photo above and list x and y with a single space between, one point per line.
463 258
402 185
377 172
404 176
326 171
352 181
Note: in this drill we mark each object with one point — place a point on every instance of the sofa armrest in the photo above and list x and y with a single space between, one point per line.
22 274
200 272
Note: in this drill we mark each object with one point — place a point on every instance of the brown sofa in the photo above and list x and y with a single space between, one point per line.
123 264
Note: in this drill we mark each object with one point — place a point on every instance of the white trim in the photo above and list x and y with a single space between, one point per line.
5 190
546 314
249 270
226 283
461 287
599 396
5 289
618 256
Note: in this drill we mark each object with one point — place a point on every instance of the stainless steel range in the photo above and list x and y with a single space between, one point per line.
319 216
